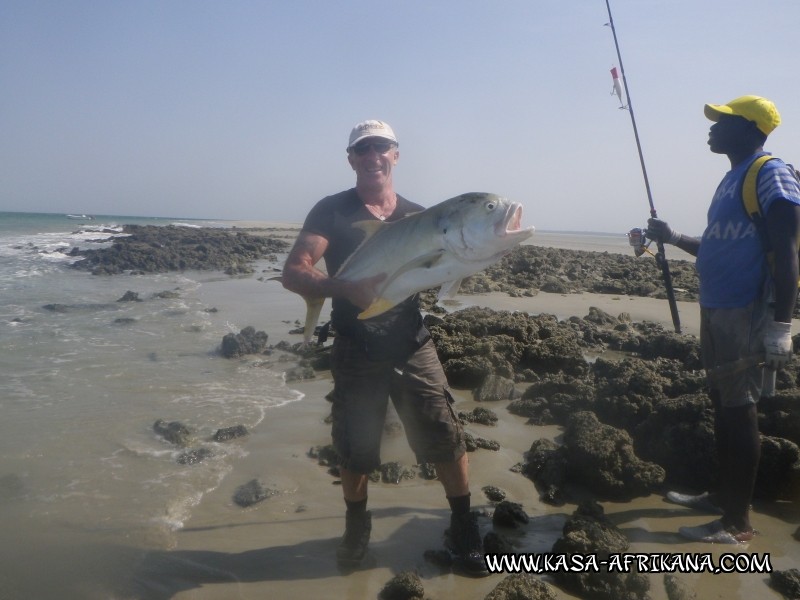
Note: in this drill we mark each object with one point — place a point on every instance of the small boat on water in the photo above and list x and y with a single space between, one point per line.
81 217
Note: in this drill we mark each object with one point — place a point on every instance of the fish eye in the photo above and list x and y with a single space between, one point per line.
490 205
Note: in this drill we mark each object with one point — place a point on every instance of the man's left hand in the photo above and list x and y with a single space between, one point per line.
778 345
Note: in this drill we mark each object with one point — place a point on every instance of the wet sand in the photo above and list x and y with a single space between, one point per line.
284 547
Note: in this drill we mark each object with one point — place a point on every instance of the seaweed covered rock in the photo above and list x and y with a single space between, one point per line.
404 586
494 388
546 465
780 416
553 399
626 390
589 533
778 470
156 249
521 586
679 435
476 343
247 341
602 458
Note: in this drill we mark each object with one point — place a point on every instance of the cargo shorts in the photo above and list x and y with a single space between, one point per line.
421 396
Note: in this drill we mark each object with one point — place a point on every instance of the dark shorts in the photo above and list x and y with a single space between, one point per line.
419 392
731 334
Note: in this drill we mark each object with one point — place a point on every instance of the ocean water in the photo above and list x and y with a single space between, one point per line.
86 485
84 377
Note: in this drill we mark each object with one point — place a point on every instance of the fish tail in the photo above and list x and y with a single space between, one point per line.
313 310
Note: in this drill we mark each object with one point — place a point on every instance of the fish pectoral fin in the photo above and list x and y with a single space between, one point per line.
424 261
448 290
313 310
378 306
381 304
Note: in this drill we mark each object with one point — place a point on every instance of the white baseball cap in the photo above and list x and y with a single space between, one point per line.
368 129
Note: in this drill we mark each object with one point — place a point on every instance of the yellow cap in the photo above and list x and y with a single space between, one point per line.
759 110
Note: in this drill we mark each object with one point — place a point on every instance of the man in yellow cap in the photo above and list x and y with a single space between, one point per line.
746 306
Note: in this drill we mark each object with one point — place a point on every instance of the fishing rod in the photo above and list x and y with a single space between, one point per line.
661 259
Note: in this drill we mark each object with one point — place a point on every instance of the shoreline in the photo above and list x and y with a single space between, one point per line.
284 547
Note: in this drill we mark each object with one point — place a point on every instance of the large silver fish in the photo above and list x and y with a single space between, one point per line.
437 247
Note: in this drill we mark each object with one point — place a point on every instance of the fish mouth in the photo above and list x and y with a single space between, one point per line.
512 222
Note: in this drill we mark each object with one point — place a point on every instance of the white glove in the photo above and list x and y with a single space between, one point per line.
778 345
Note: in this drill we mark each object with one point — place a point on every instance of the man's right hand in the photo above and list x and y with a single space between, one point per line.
660 231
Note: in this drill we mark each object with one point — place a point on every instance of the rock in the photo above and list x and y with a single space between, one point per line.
600 317
779 416
194 456
675 434
157 249
480 415
300 373
626 391
124 321
394 472
130 296
786 582
509 514
552 400
252 493
175 432
326 456
404 586
779 459
495 388
493 494
589 532
230 433
167 295
247 341
495 543
473 443
546 465
428 471
521 586
602 459
677 589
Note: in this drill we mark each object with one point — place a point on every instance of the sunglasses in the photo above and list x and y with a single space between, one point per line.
379 147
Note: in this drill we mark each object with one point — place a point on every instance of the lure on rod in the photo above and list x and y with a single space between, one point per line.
661 259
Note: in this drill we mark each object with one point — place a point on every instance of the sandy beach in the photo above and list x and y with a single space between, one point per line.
284 547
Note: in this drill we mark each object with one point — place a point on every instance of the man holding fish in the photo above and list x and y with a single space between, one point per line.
382 249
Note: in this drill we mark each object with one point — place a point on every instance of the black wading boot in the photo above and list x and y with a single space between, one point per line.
353 546
464 542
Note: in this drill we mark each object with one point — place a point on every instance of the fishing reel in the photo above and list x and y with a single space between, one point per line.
638 241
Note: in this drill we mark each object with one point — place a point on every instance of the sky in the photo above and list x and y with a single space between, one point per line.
241 110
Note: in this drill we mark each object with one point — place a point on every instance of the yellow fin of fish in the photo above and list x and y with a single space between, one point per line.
378 306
